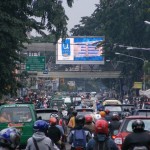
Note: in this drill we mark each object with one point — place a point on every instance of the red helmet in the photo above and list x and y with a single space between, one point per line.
107 111
88 118
101 126
53 121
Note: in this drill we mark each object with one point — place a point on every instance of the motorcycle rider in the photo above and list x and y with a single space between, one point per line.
108 116
80 121
72 123
39 138
115 123
89 125
54 133
101 138
138 139
9 139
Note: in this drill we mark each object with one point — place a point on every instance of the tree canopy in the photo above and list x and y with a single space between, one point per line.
17 17
122 24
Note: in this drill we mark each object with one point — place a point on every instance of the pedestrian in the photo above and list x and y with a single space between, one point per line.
9 139
79 137
39 141
139 139
101 138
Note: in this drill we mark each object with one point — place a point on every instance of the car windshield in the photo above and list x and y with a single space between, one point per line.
146 106
143 113
16 114
113 108
57 103
85 113
45 116
128 126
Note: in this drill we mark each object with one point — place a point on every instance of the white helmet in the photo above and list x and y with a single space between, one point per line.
97 116
64 113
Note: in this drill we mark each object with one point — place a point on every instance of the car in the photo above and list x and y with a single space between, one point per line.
111 102
21 116
127 107
127 110
85 111
126 128
114 109
46 113
146 105
142 112
57 103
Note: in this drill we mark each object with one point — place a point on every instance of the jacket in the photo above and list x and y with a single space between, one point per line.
43 142
88 135
54 134
71 123
110 144
136 139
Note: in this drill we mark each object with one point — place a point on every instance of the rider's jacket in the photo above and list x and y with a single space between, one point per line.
136 139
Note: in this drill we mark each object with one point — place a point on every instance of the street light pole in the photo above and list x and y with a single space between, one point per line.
144 61
147 22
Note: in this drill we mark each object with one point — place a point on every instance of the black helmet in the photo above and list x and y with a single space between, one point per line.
138 125
74 112
80 120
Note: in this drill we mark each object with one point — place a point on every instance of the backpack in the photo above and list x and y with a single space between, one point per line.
79 139
140 148
102 145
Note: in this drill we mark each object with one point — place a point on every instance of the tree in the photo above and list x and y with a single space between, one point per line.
16 19
122 23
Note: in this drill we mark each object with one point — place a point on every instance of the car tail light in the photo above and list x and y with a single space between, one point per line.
118 140
113 137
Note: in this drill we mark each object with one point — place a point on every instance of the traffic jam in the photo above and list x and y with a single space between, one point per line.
76 122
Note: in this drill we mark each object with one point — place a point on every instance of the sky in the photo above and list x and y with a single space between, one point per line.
80 8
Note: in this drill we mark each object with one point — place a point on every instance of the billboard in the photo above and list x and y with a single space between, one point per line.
79 50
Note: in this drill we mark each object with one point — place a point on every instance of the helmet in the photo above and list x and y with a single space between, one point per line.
115 116
138 125
64 113
54 116
74 112
103 114
10 137
88 118
40 125
107 111
101 126
53 121
97 116
80 120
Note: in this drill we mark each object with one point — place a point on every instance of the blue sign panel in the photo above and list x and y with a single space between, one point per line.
80 50
66 47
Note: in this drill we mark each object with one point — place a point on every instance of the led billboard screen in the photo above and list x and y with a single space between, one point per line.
79 50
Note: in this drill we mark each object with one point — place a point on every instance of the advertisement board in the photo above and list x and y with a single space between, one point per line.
79 50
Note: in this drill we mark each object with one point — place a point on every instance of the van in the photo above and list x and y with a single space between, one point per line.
111 102
20 116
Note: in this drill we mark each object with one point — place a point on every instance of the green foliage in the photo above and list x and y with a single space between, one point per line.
122 23
16 17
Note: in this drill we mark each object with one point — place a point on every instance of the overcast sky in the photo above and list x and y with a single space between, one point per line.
80 9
